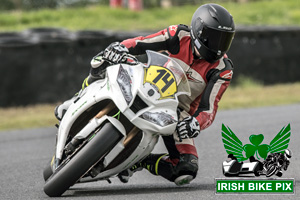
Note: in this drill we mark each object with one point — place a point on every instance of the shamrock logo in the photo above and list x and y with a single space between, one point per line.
256 147
242 152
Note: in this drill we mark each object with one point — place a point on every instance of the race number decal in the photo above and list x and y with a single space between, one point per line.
163 79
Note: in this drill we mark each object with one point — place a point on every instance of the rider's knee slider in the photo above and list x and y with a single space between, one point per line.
188 165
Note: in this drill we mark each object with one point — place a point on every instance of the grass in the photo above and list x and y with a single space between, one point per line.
265 12
246 95
27 117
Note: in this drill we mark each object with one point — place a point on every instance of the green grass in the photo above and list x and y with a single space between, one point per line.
248 94
27 117
266 12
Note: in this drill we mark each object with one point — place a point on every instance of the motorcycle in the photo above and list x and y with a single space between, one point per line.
115 122
275 163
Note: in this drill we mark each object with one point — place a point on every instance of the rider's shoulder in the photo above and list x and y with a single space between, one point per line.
228 62
174 30
184 27
222 69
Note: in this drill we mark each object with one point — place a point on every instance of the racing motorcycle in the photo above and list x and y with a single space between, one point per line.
115 122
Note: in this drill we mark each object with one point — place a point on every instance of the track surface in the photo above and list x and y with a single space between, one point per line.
23 154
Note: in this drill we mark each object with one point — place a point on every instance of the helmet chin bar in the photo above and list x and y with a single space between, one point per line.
209 55
204 53
200 51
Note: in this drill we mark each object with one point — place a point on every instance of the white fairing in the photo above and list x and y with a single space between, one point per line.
153 84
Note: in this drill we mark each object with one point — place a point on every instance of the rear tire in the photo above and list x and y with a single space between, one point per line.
74 169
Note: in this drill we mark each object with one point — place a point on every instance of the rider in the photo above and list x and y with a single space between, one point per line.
274 160
202 48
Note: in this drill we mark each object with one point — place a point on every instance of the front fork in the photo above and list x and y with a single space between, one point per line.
91 127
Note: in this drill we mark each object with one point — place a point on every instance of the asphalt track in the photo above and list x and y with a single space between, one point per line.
23 154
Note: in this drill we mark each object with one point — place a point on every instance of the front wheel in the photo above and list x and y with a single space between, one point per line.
47 172
271 170
71 171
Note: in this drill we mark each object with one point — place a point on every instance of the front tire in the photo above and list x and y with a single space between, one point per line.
74 169
47 171
271 170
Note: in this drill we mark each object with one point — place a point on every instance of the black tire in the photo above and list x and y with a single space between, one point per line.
47 171
258 169
72 171
271 171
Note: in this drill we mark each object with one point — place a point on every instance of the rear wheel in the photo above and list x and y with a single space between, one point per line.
72 170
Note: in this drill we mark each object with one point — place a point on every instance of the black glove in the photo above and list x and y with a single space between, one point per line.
115 52
188 128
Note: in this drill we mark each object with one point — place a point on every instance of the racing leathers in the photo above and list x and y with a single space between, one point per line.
208 82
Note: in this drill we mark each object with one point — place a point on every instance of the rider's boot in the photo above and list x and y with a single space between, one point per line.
146 163
61 109
97 72
279 173
182 172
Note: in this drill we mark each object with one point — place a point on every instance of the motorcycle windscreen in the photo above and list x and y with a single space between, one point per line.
167 75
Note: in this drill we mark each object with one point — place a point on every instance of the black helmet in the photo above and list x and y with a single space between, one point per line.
288 153
212 31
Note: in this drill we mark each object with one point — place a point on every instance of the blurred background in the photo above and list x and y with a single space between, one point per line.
46 47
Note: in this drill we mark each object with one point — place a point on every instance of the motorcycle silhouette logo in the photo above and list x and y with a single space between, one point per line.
265 159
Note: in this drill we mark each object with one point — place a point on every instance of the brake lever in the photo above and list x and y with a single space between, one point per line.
131 57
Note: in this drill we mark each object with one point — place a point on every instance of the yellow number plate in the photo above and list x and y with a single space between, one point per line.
163 79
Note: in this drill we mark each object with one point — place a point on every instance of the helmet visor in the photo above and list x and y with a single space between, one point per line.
216 40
